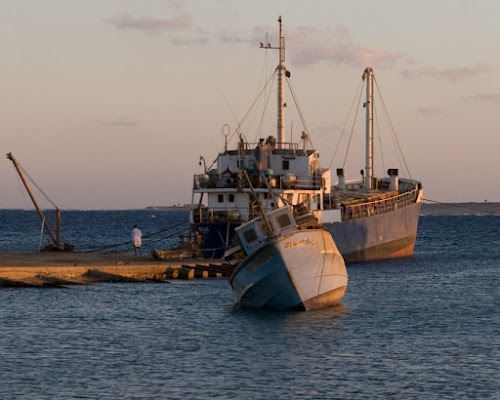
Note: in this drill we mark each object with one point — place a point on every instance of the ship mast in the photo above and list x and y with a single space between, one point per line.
282 71
281 91
368 75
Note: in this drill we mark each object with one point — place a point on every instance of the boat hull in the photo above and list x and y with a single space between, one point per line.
303 270
216 237
379 237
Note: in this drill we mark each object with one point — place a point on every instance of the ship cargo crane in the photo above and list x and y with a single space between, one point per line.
56 239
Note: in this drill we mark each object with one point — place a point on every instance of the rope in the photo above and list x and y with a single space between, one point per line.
253 104
302 119
261 123
379 136
461 207
100 248
393 131
352 128
346 121
36 185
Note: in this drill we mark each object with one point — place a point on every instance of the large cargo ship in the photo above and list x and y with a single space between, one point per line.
370 218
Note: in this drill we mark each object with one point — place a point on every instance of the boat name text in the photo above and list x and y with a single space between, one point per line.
301 242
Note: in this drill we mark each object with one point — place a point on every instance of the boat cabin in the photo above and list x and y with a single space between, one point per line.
255 233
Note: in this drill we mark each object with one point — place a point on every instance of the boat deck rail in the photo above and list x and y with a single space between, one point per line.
232 180
223 215
378 207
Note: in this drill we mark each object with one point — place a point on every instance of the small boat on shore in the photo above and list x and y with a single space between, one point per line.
287 265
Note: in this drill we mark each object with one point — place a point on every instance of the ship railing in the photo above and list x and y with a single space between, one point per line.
232 215
203 181
301 182
378 207
293 146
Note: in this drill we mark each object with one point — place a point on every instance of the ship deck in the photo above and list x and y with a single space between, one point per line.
352 197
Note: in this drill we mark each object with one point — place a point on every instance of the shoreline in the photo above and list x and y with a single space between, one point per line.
467 208
61 268
432 208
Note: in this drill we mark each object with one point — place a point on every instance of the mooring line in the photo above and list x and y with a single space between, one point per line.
461 207
96 249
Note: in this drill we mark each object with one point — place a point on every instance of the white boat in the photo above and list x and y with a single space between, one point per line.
287 266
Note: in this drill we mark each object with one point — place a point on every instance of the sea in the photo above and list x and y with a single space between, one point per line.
423 327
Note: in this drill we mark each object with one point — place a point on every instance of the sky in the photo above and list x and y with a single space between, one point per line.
109 104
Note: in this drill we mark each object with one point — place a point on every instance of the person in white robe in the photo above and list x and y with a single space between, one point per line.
137 240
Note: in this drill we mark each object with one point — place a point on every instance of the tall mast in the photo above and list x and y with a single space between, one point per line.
368 75
282 71
281 90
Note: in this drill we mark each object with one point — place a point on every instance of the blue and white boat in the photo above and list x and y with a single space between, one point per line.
370 218
288 266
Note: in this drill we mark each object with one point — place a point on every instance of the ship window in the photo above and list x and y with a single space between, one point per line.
283 221
220 198
286 165
231 198
250 236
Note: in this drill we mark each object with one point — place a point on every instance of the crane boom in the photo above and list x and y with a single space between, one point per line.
56 239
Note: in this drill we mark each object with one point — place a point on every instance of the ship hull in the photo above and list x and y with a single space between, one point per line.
216 237
303 271
379 237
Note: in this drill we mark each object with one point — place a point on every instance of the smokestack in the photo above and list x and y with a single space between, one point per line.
393 173
340 175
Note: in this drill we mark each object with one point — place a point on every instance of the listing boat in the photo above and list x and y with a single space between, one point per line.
369 218
289 264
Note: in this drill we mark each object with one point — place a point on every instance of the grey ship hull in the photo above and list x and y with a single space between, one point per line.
385 236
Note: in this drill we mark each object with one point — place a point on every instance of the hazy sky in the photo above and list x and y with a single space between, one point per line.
109 104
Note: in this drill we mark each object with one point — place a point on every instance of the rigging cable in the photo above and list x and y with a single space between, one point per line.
352 128
36 185
384 171
100 248
253 104
261 123
393 131
228 105
298 108
347 120
462 207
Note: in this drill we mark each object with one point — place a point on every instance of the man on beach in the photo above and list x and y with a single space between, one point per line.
137 240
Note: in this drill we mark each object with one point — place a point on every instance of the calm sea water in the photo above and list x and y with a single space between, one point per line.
426 327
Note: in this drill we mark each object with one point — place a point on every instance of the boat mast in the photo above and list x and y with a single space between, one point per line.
281 91
282 71
368 75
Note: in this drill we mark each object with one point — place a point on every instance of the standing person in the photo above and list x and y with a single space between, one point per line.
137 239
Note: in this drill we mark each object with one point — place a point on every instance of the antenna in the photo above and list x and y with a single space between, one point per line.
226 130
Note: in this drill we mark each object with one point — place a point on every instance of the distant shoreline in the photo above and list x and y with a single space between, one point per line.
470 208
183 207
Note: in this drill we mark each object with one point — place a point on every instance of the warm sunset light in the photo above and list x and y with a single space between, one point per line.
109 105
